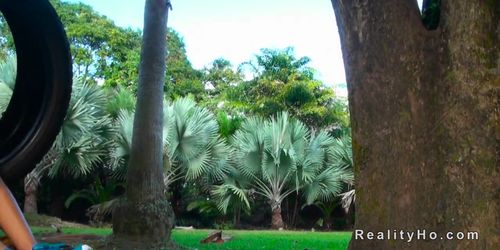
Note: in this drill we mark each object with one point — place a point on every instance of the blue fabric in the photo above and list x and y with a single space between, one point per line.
46 246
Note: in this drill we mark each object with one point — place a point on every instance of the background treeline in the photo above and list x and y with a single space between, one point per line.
263 144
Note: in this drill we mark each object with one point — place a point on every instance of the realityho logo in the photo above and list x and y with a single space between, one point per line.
409 236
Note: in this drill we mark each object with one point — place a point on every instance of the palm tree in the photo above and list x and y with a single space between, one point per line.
192 147
340 155
279 157
8 70
144 219
82 145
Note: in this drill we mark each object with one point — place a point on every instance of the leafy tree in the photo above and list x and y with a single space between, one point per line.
341 157
220 76
82 145
283 82
278 157
100 49
105 52
181 78
83 142
7 49
234 193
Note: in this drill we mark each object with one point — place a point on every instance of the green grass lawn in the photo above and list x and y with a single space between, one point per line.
244 239
272 240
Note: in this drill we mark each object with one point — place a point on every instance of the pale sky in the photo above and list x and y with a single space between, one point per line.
238 29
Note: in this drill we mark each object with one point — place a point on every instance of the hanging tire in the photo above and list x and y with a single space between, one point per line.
41 95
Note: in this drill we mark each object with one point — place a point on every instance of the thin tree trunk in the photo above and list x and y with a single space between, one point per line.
144 219
238 217
328 222
32 182
295 210
30 195
424 115
277 219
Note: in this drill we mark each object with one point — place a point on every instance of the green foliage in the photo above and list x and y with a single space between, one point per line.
268 157
193 141
7 81
7 48
100 49
83 141
102 198
120 99
192 146
281 82
103 51
228 125
276 157
281 65
206 207
122 144
181 79
96 194
220 76
342 153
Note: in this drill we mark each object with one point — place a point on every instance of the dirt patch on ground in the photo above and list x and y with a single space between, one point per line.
38 220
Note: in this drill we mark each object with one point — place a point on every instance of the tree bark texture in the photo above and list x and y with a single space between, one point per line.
277 219
424 111
144 219
30 196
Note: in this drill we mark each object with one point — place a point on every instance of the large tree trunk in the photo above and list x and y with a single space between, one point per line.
144 219
424 111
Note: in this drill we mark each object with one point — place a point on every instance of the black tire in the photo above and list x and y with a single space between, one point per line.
43 86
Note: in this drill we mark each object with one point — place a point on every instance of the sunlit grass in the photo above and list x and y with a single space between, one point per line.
243 239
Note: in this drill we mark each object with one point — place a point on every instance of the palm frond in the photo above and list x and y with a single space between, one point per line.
348 199
120 99
326 185
226 193
99 211
8 72
5 95
192 145
341 152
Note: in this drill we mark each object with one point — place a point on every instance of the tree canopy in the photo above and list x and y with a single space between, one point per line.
281 82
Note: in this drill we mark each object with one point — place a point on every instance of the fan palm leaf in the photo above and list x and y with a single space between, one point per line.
8 70
84 140
193 148
279 156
